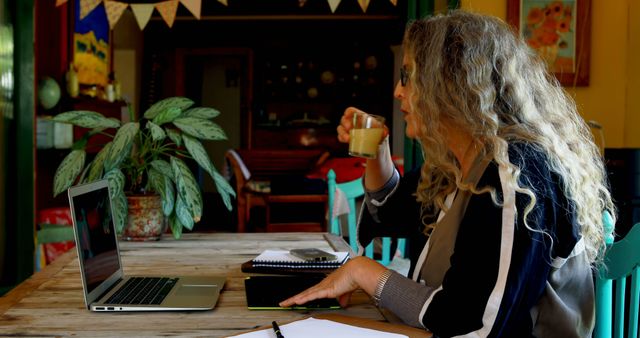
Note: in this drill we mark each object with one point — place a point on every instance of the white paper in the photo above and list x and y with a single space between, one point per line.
285 257
311 328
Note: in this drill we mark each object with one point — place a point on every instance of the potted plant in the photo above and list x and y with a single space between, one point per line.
146 158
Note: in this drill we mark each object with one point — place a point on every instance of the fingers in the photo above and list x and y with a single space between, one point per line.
315 292
338 283
345 299
346 123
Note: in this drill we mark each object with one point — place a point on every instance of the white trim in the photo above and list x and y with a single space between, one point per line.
426 305
423 255
506 246
380 203
579 248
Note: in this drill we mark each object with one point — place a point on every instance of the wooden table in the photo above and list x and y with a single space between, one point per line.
50 303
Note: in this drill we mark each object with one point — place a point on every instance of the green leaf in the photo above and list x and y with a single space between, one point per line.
176 226
224 189
68 170
121 145
163 167
120 210
202 129
86 119
116 181
199 154
157 134
162 184
202 113
187 188
97 165
183 214
167 115
158 107
175 136
83 174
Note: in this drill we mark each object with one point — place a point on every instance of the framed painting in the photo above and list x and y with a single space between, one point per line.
560 31
91 49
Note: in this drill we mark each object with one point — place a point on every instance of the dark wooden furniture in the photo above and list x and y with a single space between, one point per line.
257 168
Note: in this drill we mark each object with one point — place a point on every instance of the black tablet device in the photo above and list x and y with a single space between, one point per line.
265 292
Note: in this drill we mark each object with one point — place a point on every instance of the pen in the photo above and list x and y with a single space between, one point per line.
276 329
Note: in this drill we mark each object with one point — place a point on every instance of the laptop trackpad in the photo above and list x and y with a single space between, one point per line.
197 290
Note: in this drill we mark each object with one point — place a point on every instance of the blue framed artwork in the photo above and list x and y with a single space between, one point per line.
91 50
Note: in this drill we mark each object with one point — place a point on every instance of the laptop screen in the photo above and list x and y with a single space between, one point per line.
96 240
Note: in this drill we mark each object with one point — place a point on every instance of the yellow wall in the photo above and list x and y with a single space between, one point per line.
613 95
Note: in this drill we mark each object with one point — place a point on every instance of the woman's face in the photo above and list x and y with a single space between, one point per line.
403 94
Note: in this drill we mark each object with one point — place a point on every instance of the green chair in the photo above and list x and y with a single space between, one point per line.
50 233
353 190
621 262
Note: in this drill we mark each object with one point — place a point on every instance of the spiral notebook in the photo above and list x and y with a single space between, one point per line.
283 259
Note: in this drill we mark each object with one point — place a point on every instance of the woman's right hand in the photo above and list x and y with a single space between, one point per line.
346 124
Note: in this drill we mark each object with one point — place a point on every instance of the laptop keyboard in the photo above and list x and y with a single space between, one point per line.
143 291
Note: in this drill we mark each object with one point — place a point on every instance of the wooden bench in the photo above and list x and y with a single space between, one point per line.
260 165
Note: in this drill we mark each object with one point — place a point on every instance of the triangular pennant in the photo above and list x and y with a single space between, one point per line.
60 2
364 4
167 11
224 2
86 6
193 6
333 4
394 2
114 11
142 12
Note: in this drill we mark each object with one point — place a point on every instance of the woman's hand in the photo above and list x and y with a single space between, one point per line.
346 124
358 273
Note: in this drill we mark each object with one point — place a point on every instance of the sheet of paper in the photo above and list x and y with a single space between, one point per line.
312 328
285 256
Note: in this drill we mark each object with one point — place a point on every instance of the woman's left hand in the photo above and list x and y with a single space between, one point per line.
358 273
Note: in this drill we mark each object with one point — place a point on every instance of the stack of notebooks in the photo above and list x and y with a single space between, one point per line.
282 262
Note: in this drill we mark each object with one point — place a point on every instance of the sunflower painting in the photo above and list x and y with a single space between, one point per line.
549 27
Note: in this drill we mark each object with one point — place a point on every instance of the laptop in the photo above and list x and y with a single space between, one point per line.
105 286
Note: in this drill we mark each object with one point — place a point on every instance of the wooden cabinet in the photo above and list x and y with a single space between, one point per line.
301 97
306 66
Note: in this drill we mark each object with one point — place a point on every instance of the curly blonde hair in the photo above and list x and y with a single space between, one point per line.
474 72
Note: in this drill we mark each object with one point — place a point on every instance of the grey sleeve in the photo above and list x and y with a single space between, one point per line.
374 199
405 298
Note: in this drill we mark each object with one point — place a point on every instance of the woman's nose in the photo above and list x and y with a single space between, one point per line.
398 92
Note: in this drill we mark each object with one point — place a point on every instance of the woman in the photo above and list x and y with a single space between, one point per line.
504 218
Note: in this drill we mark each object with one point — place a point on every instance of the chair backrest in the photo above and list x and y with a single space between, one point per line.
351 191
621 262
240 170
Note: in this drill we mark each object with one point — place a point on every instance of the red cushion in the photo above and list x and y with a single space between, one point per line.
346 169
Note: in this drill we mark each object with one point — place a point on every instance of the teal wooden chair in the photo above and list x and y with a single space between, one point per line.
353 190
621 262
50 233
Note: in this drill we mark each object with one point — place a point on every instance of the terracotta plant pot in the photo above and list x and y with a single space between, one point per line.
146 222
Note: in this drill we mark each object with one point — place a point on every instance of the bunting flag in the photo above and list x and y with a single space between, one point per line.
394 2
168 10
193 6
142 12
224 2
114 11
333 4
364 4
60 2
86 6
